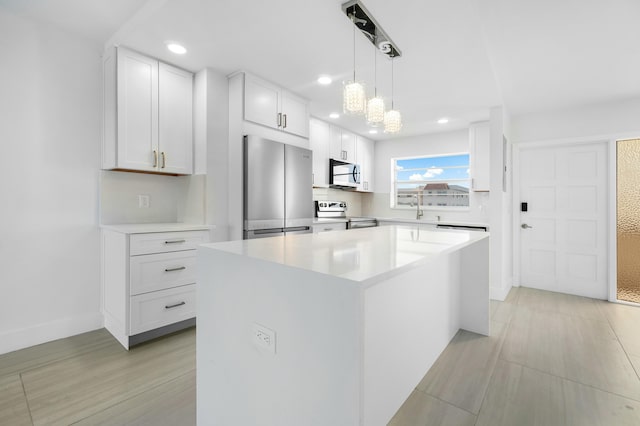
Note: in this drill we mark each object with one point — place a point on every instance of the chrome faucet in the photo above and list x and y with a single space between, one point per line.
419 212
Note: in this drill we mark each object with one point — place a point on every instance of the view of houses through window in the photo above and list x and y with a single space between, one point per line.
436 181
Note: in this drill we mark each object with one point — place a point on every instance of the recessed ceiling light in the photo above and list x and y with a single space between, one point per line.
443 120
324 80
334 115
373 131
176 48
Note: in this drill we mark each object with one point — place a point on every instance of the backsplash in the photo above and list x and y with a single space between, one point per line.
378 205
352 198
171 198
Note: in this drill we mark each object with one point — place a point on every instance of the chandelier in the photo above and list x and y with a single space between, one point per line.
354 94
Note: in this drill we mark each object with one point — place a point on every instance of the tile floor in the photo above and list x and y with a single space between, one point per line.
551 359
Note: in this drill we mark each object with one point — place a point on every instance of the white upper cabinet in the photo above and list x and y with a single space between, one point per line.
148 114
261 102
272 106
175 120
365 150
480 158
319 135
137 109
342 145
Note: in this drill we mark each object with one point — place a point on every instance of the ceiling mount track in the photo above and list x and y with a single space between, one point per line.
365 22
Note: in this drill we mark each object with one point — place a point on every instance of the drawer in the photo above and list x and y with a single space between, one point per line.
162 242
152 272
160 308
324 227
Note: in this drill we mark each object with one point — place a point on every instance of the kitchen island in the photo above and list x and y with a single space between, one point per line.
333 328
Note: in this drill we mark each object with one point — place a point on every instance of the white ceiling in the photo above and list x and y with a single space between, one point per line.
460 57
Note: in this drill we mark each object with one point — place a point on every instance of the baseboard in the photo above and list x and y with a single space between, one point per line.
14 340
499 293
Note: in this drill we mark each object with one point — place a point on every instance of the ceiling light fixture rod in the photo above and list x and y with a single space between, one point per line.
362 18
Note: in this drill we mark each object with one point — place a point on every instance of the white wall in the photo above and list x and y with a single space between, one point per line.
378 204
213 88
50 112
171 198
613 118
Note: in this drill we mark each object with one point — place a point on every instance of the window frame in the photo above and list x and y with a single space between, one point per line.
393 195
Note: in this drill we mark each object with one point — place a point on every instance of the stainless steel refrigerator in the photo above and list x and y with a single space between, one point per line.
278 196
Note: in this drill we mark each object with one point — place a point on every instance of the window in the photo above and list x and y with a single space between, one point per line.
436 181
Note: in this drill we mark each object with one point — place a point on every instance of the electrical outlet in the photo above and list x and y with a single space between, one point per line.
143 201
263 338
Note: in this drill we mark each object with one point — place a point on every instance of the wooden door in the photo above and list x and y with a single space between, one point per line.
563 233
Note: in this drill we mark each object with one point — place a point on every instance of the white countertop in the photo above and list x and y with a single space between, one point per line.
145 228
361 255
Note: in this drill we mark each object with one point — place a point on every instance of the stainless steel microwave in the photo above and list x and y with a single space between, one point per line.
343 175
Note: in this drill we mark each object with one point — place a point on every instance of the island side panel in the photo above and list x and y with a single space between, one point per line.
314 376
408 321
474 281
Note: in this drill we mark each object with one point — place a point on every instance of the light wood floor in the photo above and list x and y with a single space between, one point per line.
552 359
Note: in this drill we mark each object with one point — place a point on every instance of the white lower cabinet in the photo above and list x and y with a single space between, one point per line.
149 282
160 308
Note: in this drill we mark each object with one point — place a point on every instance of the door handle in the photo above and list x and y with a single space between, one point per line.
175 305
525 226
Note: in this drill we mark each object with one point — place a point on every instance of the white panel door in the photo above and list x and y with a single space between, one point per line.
176 120
137 111
563 235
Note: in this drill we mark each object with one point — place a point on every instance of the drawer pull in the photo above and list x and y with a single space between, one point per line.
175 241
179 268
175 305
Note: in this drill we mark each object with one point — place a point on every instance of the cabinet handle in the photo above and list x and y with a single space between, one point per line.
179 268
327 229
279 119
175 305
473 183
155 158
284 121
164 159
175 241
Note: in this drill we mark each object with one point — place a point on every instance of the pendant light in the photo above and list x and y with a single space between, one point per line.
353 97
392 118
375 106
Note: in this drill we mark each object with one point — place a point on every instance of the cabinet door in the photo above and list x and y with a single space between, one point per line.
295 114
479 145
319 134
261 102
176 120
335 143
137 94
349 146
365 149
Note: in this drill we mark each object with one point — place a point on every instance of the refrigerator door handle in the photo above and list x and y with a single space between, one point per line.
297 228
267 231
